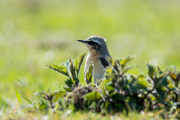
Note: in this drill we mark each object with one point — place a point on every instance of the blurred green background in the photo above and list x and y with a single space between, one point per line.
38 32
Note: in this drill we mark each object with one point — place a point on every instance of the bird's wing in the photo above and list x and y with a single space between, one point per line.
104 62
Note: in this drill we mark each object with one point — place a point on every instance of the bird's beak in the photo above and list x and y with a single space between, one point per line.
83 41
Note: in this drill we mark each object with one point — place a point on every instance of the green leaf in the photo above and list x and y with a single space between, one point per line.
18 97
106 81
126 69
131 102
116 66
68 89
89 74
116 96
61 68
92 96
128 89
78 62
108 71
164 80
72 69
69 82
174 74
161 80
151 70
109 88
140 84
43 107
56 107
159 70
124 61
162 92
172 87
151 97
76 80
177 80
58 94
99 82
142 81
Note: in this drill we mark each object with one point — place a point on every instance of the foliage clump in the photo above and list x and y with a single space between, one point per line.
118 91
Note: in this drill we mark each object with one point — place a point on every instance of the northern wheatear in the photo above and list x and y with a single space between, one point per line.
98 52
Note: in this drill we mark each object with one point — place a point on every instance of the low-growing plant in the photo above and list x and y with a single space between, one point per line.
118 91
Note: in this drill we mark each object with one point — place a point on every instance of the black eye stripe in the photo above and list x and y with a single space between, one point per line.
92 43
95 45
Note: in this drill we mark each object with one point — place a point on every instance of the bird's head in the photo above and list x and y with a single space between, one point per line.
95 43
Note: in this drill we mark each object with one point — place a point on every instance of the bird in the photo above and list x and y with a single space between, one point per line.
98 54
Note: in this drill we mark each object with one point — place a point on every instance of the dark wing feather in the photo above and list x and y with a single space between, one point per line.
104 62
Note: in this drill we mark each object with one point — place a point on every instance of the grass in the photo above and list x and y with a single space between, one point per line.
86 116
34 33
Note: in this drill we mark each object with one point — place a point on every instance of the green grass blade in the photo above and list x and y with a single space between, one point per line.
25 85
26 99
49 89
18 97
